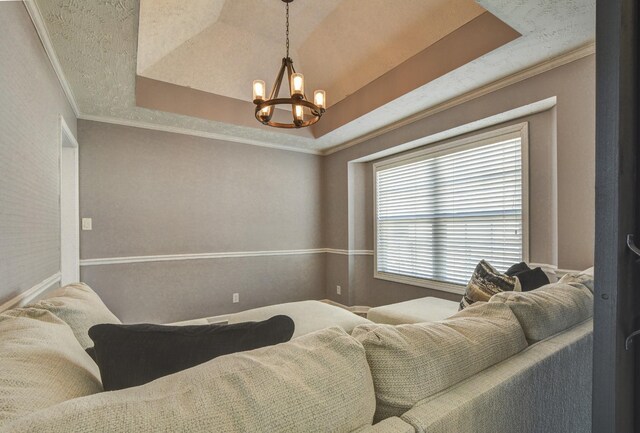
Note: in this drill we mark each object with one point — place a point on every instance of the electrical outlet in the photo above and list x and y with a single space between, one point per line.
339 290
86 224
236 298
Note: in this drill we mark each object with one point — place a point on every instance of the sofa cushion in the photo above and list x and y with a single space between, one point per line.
41 363
411 362
132 355
419 310
548 310
80 307
308 316
485 282
318 382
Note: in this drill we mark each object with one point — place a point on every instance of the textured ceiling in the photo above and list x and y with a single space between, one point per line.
96 43
340 45
185 19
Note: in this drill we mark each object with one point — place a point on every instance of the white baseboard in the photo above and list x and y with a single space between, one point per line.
31 294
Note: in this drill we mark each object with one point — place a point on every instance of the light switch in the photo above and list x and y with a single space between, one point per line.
86 224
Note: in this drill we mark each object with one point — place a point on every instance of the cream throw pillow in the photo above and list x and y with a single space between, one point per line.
412 362
80 307
584 278
549 309
41 363
318 382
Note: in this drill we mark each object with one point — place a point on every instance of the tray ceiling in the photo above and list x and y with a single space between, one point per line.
221 46
344 45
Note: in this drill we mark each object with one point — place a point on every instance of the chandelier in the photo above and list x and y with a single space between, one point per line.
304 113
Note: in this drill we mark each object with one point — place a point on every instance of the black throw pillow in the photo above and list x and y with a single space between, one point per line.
517 268
132 355
530 279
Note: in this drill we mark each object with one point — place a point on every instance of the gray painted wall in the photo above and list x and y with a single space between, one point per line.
163 292
31 100
153 193
562 183
157 193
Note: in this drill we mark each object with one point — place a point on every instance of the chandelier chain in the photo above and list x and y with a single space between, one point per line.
287 30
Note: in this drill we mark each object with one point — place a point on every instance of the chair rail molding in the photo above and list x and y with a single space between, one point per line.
221 255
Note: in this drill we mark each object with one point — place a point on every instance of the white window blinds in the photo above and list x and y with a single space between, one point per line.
439 214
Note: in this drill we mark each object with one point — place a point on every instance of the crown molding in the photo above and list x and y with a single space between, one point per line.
31 294
563 59
43 33
192 132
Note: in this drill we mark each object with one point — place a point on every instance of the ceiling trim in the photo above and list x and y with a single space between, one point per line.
41 29
193 132
571 56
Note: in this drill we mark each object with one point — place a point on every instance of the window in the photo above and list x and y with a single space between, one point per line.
439 211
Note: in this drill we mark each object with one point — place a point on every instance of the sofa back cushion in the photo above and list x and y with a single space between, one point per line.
41 363
546 388
318 382
80 307
550 309
412 362
575 278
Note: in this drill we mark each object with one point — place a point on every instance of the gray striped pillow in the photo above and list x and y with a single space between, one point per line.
485 282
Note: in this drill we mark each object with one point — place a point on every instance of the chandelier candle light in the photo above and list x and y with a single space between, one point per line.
304 112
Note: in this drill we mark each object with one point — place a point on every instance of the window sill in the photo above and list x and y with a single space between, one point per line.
419 282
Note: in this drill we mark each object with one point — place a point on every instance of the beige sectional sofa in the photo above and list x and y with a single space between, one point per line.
519 363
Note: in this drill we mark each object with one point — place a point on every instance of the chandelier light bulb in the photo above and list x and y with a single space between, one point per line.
265 112
259 90
319 98
297 84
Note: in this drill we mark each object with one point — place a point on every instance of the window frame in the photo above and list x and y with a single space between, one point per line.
520 130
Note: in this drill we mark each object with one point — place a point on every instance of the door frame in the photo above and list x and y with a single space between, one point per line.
617 276
69 206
